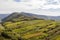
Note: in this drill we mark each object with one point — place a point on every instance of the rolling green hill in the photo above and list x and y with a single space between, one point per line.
29 28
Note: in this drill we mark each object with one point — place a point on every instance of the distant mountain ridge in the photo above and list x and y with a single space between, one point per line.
30 15
3 16
16 15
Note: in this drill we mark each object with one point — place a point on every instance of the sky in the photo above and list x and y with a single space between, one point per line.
40 7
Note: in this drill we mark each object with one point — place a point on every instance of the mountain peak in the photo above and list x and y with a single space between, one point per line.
21 16
27 16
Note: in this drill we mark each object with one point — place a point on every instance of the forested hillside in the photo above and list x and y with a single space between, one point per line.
29 28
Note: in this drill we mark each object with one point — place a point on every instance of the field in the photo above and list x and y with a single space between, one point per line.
30 30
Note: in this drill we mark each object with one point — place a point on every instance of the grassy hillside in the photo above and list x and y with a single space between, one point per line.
28 27
30 30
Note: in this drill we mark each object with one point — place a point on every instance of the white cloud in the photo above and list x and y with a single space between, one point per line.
33 6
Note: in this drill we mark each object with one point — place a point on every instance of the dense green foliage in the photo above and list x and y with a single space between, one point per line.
38 29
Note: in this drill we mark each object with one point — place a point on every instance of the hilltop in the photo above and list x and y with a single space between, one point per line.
16 15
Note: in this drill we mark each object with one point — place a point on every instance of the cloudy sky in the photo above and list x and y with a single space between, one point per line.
40 7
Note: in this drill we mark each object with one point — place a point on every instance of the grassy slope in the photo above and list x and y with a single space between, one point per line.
57 37
30 30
